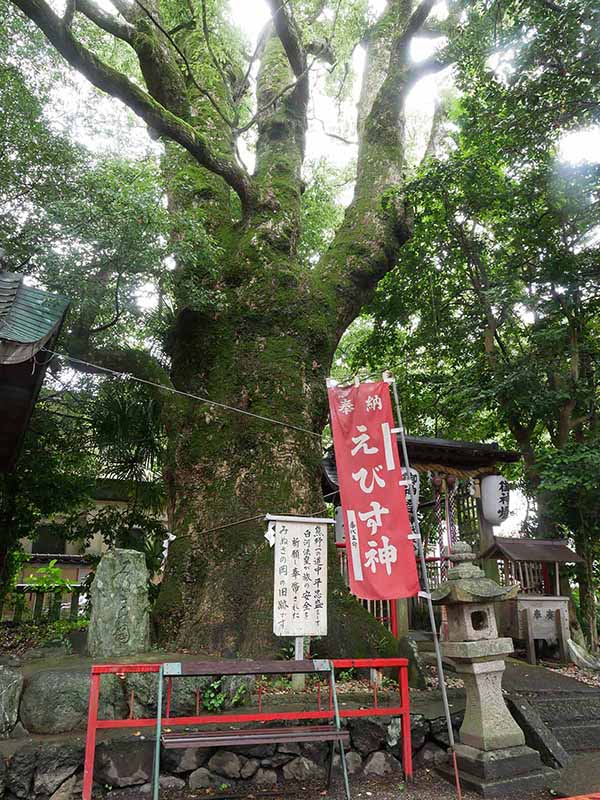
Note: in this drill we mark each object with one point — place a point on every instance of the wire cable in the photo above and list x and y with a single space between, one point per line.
249 519
208 401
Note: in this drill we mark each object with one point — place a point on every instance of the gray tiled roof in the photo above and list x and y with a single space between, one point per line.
27 315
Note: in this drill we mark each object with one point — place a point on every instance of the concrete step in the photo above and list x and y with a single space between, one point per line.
573 718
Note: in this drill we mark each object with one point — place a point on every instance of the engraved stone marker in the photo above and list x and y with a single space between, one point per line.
119 623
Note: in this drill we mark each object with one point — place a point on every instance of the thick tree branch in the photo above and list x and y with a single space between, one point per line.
377 222
289 35
429 66
204 92
418 18
69 13
110 23
291 40
118 85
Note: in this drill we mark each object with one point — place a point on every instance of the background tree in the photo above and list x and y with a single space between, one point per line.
492 320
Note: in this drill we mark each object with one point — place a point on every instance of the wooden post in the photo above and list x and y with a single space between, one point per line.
38 605
557 579
402 617
299 680
19 607
74 608
562 632
528 625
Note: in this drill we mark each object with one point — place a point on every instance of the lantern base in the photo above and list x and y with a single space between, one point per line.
510 772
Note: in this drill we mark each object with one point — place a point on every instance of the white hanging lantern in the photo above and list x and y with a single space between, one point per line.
416 487
494 499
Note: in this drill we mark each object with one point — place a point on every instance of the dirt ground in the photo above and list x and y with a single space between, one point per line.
426 786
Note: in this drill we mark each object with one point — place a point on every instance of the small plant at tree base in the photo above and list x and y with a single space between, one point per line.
213 698
239 696
347 675
287 652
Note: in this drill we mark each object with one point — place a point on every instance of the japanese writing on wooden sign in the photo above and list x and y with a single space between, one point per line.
300 586
381 561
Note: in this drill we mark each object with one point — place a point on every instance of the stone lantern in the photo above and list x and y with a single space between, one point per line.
491 754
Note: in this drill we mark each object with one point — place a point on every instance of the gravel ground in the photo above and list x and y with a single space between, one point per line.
591 678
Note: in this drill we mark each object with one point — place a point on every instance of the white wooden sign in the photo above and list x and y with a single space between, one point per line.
300 585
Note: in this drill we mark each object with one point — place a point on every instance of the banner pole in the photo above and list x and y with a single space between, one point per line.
427 591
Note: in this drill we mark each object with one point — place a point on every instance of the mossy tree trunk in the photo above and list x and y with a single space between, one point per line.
269 345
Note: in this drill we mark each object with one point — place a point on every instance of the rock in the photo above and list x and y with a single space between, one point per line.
302 769
183 694
353 762
256 750
183 760
19 732
66 791
538 735
419 731
119 622
277 760
20 771
408 648
316 751
11 684
582 657
55 763
10 661
171 782
225 763
367 735
123 762
439 728
250 767
50 651
204 779
380 764
429 756
54 701
265 777
292 748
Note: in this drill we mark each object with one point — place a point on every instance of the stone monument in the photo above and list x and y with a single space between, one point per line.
491 754
119 622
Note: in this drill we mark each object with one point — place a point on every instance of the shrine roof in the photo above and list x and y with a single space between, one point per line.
30 319
517 549
464 459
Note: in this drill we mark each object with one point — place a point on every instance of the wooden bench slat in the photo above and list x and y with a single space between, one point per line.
324 733
233 667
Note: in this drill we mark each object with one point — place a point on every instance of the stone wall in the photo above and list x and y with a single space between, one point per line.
53 705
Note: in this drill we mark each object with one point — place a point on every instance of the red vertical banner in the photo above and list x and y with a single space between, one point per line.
381 560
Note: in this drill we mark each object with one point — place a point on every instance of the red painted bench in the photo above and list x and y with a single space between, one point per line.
330 732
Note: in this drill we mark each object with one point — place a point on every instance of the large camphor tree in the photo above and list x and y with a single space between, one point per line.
265 341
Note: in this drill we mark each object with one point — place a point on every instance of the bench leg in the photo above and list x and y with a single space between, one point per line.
344 770
156 765
330 770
